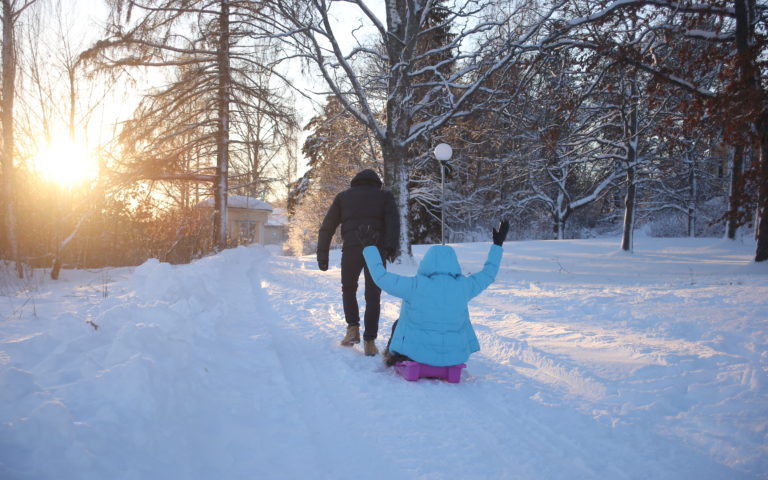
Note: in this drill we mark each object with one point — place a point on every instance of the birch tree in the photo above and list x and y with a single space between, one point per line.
413 80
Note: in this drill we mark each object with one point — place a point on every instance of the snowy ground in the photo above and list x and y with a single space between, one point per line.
595 364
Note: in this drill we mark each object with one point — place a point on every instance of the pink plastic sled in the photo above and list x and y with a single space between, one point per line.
413 371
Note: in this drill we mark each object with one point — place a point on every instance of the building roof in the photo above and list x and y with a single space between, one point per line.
239 201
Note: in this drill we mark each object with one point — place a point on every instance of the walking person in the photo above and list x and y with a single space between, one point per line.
364 203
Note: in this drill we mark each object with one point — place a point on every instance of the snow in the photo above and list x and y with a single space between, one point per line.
595 363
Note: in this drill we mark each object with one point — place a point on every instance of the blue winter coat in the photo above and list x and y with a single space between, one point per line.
434 326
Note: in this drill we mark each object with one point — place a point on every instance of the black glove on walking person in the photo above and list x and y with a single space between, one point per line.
322 261
367 235
390 254
501 234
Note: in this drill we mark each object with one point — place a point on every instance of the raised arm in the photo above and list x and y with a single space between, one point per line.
392 283
480 280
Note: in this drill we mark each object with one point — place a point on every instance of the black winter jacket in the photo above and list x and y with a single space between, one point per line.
364 203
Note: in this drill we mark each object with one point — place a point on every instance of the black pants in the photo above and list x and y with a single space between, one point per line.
394 357
352 263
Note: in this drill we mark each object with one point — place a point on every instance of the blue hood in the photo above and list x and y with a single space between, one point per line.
440 260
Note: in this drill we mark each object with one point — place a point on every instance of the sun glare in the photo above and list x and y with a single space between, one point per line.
66 162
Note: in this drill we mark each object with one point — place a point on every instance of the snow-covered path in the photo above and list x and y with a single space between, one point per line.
594 364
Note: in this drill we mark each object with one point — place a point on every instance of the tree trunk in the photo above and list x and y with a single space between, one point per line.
560 213
559 228
632 133
56 268
396 178
404 19
761 253
692 194
222 133
629 211
734 195
9 180
750 76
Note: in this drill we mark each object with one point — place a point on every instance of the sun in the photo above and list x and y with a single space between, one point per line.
66 162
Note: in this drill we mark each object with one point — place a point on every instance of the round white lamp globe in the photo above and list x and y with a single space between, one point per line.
443 152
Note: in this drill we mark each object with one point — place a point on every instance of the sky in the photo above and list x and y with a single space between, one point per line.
83 22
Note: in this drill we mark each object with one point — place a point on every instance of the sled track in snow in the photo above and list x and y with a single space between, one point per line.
528 361
526 413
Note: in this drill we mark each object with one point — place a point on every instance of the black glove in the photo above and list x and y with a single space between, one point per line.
390 254
501 234
322 261
367 235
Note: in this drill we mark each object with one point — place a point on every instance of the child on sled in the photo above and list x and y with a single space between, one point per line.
434 327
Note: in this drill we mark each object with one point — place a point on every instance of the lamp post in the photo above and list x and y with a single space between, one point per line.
443 153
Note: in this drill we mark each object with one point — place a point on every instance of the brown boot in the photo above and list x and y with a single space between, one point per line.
369 346
352 337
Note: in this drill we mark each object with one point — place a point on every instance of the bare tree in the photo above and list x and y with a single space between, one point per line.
568 138
12 10
412 80
721 37
264 146
51 72
211 44
680 43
